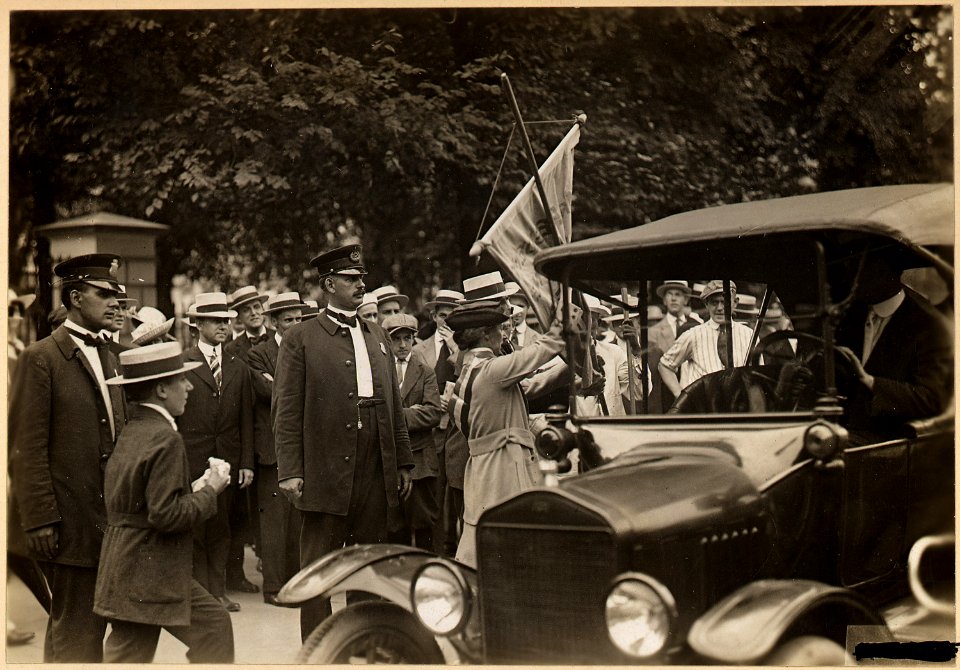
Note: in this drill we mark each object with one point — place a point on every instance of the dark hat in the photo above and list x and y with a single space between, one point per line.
476 315
98 270
244 295
310 310
153 361
283 301
123 298
346 260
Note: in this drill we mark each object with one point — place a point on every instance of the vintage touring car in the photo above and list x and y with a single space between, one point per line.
741 527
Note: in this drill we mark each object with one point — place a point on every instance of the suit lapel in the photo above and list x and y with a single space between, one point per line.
203 372
273 350
410 379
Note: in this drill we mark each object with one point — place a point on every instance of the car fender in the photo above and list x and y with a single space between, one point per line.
383 570
747 625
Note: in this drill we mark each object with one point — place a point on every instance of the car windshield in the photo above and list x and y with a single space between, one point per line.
768 359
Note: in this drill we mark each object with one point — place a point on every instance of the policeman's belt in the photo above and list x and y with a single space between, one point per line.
128 520
499 439
370 402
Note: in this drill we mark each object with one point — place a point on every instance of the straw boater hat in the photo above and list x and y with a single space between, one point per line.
347 260
152 362
368 299
147 314
244 295
517 295
678 284
746 305
445 297
596 306
481 314
211 305
310 310
489 286
151 330
396 322
283 301
186 317
715 286
98 270
616 314
123 298
390 294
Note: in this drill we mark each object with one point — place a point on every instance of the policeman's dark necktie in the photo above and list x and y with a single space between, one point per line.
102 345
349 321
216 370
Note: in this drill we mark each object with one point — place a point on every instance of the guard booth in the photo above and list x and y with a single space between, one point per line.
102 232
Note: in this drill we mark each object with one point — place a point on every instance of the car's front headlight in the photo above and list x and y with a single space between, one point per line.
441 598
639 612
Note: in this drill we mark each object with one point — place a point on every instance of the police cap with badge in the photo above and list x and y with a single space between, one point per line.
347 260
99 270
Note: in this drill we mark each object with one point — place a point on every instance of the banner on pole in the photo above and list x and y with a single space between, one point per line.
523 229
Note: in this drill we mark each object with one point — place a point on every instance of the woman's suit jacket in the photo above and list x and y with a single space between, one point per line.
146 564
60 441
315 412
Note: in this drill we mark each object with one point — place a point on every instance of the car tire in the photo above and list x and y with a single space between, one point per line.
370 632
809 651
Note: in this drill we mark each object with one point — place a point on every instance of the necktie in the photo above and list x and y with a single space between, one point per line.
870 333
400 365
444 368
722 346
350 321
257 339
215 369
515 341
103 352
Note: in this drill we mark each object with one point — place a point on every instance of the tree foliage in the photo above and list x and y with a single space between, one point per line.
264 137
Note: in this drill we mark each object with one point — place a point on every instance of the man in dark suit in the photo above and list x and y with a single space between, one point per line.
279 520
675 294
421 413
343 453
217 422
144 582
247 302
900 349
64 420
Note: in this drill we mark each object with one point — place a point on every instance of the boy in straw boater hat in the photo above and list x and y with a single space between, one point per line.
144 581
218 421
389 302
279 519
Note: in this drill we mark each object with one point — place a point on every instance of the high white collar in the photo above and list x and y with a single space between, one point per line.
209 350
163 412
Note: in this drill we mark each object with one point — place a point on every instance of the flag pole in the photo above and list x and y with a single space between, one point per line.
508 89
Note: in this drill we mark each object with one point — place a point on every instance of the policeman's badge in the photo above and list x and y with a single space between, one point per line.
383 349
355 255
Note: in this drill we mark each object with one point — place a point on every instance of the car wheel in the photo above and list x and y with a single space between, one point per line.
370 632
809 650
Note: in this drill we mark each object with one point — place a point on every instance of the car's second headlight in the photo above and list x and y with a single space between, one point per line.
440 598
639 613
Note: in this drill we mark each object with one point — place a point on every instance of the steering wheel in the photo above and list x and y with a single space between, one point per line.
847 371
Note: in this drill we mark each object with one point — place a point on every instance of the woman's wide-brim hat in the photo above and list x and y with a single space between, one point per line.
675 284
147 314
153 361
390 294
147 332
481 314
211 306
489 286
282 301
445 297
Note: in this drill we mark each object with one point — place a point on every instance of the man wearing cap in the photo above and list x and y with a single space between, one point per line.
218 421
702 350
279 520
488 407
343 453
63 422
389 302
144 581
675 294
247 302
421 413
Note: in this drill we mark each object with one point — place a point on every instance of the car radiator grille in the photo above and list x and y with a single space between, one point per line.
544 591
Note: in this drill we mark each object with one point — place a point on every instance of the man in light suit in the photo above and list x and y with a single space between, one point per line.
675 294
343 453
218 421
421 413
279 520
63 424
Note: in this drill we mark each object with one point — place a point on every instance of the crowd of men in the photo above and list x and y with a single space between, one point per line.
141 470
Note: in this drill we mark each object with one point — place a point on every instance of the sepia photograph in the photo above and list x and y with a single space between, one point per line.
448 334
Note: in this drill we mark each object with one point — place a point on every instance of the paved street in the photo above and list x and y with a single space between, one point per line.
262 633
